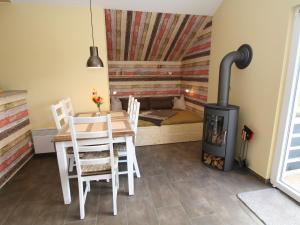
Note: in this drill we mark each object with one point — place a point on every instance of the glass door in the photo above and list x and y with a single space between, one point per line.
286 165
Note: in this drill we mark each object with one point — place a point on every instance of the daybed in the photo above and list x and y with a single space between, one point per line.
181 126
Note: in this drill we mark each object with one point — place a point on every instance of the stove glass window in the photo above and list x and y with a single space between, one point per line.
215 132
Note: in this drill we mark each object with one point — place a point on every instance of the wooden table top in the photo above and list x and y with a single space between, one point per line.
114 115
120 126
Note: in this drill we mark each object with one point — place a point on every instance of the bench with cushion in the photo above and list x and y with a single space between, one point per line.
179 126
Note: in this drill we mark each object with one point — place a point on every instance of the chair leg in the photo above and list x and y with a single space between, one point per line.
88 186
114 192
117 178
136 166
71 164
81 199
136 169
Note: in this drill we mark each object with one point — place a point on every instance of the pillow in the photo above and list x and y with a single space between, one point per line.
144 103
116 104
161 103
179 103
124 102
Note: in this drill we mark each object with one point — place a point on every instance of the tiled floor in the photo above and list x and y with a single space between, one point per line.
175 189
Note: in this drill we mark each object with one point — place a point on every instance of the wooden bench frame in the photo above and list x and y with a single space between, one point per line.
165 134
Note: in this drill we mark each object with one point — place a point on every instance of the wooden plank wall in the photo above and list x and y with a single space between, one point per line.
158 54
196 59
15 135
143 79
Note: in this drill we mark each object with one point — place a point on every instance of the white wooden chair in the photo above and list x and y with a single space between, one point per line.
59 115
130 109
97 162
67 106
121 147
130 105
69 111
60 119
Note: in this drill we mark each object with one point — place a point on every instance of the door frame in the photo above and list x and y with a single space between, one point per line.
290 95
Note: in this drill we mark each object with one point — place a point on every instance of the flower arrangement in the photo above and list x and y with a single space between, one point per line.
97 99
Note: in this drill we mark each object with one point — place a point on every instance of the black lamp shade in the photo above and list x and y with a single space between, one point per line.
94 59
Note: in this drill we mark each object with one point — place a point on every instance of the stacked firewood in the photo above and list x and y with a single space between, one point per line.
214 161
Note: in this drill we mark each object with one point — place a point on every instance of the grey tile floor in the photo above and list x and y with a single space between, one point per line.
175 189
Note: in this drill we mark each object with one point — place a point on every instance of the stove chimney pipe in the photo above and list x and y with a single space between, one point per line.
242 58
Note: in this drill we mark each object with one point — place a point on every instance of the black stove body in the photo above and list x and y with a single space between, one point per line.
221 119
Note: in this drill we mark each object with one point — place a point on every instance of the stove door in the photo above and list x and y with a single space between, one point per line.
215 127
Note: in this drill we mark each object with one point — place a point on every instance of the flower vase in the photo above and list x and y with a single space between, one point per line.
99 111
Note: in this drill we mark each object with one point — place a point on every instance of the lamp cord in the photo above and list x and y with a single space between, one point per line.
92 22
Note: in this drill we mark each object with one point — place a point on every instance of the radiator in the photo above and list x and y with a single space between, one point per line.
42 140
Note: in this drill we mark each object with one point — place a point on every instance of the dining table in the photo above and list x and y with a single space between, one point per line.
122 132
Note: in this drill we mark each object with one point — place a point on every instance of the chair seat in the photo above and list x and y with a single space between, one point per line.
70 152
97 169
121 148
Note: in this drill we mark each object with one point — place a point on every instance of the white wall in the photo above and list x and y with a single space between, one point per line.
44 49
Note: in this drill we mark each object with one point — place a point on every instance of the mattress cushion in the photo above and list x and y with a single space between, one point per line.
181 117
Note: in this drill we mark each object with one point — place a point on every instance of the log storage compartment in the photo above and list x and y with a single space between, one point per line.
221 119
214 161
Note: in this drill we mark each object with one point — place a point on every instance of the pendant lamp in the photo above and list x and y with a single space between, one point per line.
94 60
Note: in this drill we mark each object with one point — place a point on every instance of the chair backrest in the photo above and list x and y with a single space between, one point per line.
59 115
91 128
67 106
134 118
135 115
130 104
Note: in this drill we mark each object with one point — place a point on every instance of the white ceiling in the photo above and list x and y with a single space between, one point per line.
196 7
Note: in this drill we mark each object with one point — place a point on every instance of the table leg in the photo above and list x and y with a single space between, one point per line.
129 148
63 171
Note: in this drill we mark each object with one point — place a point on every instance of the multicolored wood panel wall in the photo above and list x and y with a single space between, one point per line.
15 135
196 59
143 79
157 54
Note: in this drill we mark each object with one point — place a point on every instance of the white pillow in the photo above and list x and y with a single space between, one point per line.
179 103
116 104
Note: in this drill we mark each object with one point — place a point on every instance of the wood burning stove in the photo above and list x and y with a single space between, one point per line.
220 128
221 119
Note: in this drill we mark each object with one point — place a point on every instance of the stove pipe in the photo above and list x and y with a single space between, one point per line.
242 58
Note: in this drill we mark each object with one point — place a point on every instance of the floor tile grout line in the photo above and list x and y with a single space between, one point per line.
180 203
98 208
167 206
155 210
126 209
198 217
187 215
